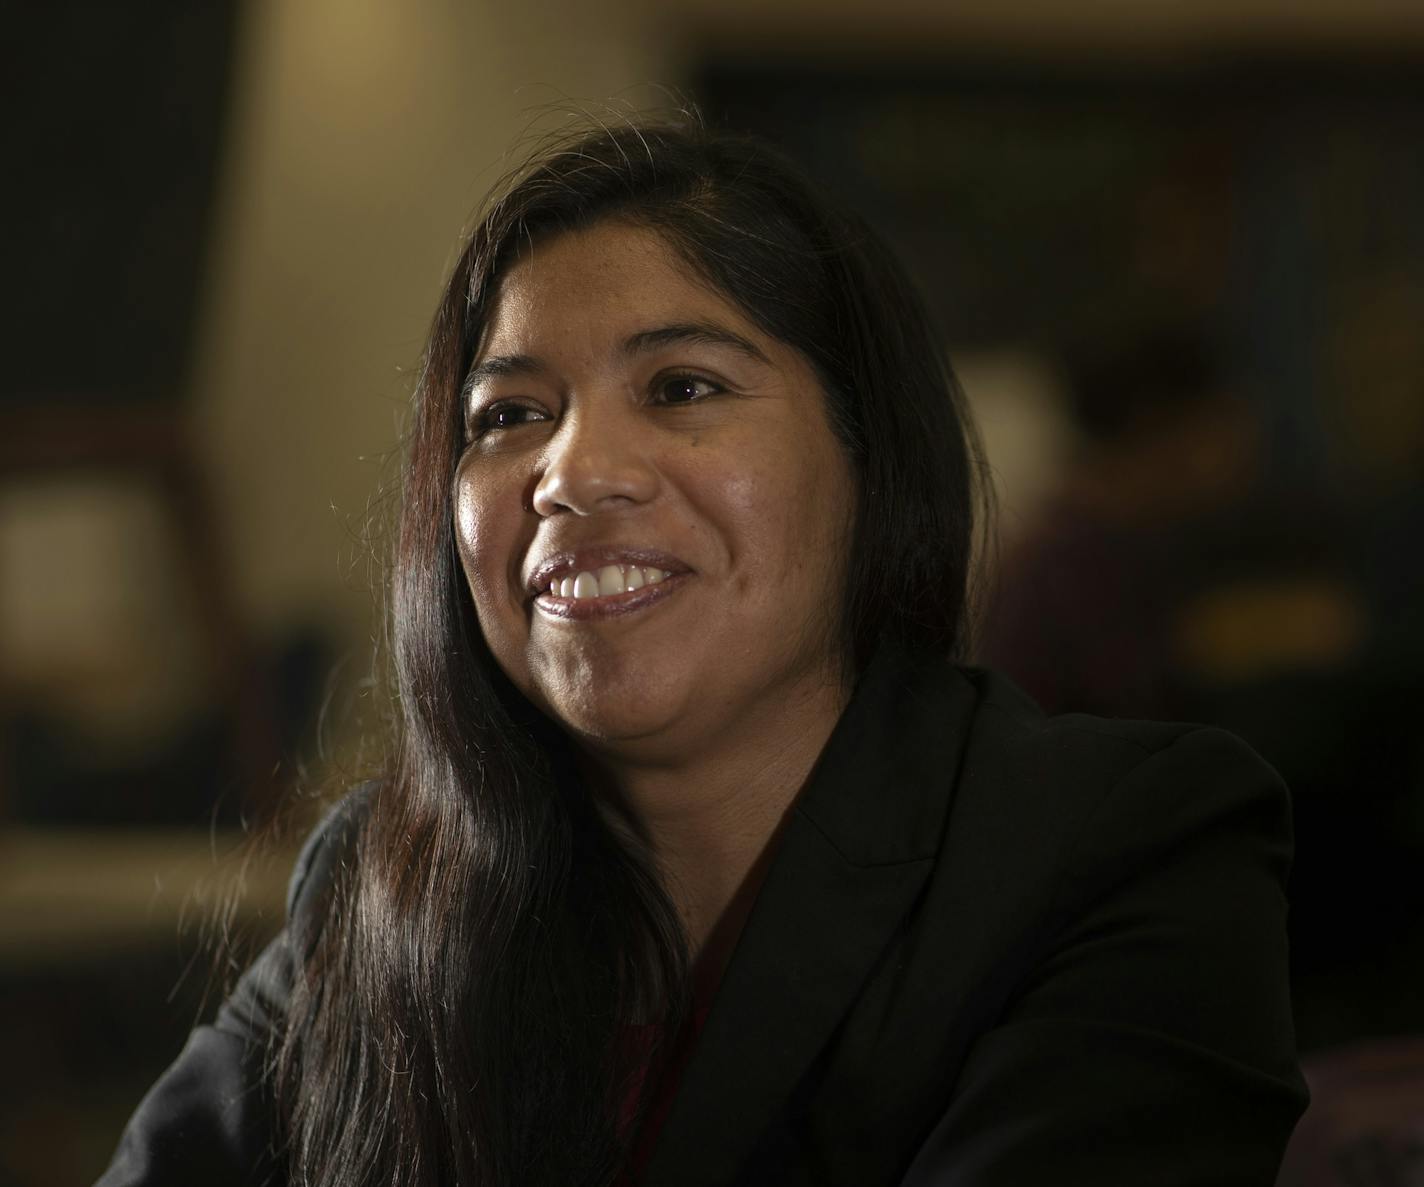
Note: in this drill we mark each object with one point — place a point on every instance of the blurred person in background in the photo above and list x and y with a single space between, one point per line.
1170 575
1094 602
704 860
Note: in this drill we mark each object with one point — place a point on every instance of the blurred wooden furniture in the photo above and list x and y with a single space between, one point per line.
1365 1124
152 442
120 164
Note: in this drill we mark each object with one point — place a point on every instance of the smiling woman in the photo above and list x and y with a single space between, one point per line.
704 861
657 431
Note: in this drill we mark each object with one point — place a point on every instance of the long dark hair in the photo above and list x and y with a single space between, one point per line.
460 1016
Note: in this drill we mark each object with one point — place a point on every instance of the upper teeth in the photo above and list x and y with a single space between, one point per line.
609 580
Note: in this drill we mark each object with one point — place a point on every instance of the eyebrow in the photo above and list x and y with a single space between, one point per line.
502 366
697 333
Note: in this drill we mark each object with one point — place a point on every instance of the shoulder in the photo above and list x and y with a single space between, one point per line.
1090 779
209 1118
1109 912
1071 823
1008 723
327 850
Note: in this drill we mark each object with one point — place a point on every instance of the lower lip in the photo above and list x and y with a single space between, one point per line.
613 606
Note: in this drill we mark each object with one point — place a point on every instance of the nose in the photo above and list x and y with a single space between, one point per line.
595 462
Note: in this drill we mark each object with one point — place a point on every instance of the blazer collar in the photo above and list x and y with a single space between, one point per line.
854 855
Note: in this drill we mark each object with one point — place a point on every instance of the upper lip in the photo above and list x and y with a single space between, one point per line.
564 564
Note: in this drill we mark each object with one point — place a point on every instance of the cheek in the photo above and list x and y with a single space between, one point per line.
485 537
818 514
789 517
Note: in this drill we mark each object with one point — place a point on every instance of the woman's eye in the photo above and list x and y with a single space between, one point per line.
683 389
505 416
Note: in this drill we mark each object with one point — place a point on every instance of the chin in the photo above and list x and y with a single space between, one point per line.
609 721
612 707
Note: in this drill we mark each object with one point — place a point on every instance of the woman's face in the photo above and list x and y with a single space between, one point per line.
652 511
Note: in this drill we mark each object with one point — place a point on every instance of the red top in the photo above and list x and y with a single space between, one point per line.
673 1062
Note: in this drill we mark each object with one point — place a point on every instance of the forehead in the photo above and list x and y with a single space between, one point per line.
612 277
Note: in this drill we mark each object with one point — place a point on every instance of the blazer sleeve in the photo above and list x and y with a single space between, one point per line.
1153 1042
209 1118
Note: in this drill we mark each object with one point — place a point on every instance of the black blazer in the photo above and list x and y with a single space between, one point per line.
993 948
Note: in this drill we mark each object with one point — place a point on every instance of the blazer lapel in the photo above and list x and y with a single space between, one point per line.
861 841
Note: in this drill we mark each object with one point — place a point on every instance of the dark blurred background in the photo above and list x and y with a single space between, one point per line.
1178 255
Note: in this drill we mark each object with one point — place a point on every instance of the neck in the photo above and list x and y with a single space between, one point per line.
712 818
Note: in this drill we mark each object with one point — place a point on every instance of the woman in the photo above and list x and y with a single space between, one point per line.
701 862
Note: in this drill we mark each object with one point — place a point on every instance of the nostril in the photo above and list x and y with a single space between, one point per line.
593 481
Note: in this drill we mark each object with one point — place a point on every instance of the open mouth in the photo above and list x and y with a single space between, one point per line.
606 582
608 589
